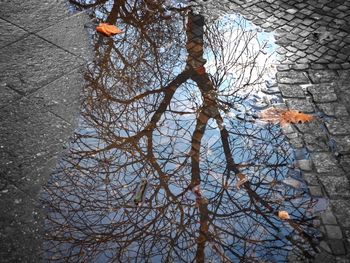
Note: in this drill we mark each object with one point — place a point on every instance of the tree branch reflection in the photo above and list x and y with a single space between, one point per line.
158 106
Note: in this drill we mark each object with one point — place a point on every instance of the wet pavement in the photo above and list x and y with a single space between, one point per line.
169 161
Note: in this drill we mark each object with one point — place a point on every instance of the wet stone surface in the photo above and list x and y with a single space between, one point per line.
107 159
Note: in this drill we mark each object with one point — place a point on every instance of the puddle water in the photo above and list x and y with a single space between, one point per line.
169 162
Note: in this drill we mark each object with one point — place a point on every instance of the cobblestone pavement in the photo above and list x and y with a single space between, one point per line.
314 76
43 49
40 70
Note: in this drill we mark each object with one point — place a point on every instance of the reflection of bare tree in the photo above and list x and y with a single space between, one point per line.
153 111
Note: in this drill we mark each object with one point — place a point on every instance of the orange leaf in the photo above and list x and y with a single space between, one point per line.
108 30
283 215
293 116
284 116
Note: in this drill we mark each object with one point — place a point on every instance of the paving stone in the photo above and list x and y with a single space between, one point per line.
314 128
304 165
20 227
322 76
328 218
315 191
71 38
333 109
323 245
337 185
325 163
62 96
7 95
10 33
341 210
342 143
333 232
321 88
339 126
311 178
324 97
292 77
324 257
291 91
34 137
300 105
337 247
38 14
34 63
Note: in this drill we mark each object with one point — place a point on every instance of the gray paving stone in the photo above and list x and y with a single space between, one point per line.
310 178
325 163
33 15
328 218
333 232
20 227
336 186
316 144
337 247
292 77
339 126
333 109
7 95
321 88
324 257
300 105
34 63
10 33
71 38
62 96
341 210
322 76
291 91
324 97
315 191
342 143
34 137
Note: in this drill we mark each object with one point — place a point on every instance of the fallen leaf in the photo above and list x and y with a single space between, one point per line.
283 215
293 116
108 30
284 116
241 180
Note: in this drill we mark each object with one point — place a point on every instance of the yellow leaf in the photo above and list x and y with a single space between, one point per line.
283 215
108 30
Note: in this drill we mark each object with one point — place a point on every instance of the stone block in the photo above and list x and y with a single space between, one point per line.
62 96
337 247
328 218
300 105
324 97
10 33
333 109
71 38
341 210
333 232
291 91
34 63
336 185
322 76
339 126
292 77
7 95
325 163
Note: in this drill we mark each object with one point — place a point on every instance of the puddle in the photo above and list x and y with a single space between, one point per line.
168 163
